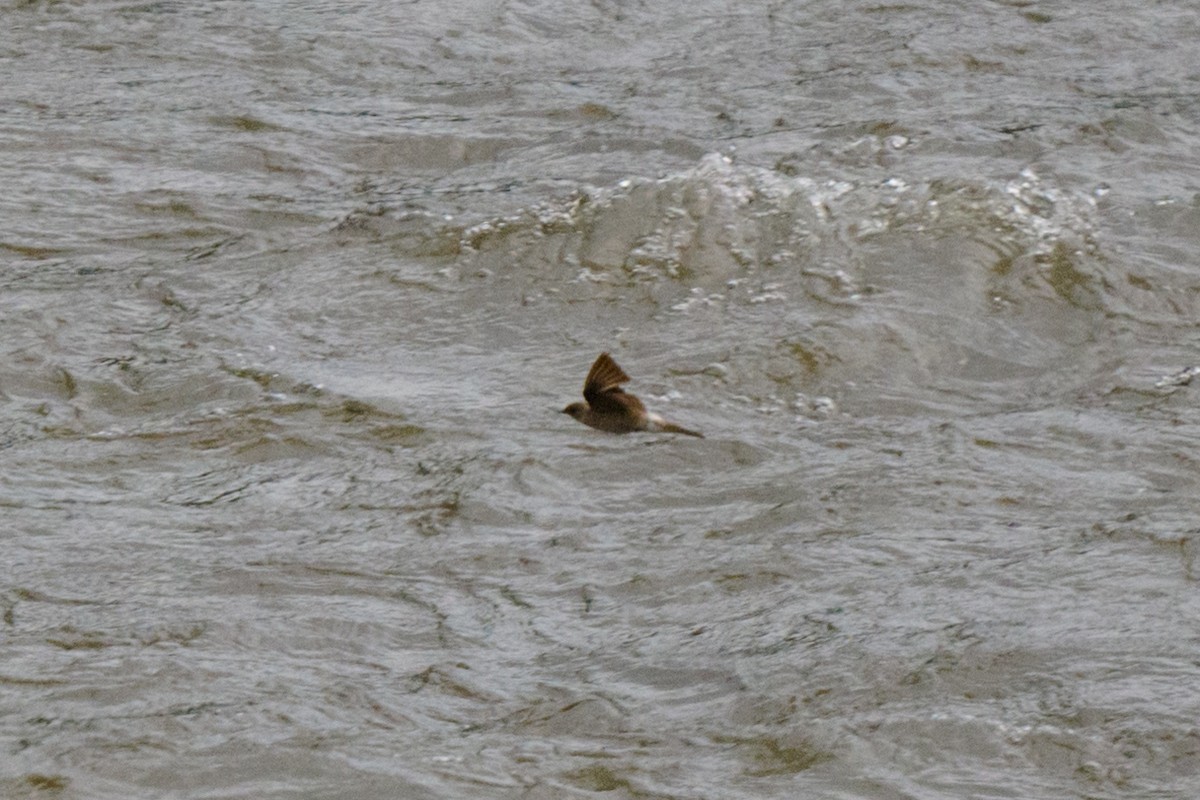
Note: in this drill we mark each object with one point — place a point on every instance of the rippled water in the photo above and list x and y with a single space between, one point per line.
290 296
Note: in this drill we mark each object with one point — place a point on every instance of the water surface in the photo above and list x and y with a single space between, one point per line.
290 295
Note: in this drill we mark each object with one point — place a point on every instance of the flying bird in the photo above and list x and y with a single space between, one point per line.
609 408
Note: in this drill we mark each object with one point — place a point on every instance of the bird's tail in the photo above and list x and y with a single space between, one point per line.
671 427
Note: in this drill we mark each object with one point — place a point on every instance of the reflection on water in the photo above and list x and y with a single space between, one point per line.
292 298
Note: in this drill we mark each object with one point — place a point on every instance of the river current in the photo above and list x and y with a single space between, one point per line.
291 295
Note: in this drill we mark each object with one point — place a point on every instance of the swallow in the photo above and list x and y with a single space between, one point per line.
609 408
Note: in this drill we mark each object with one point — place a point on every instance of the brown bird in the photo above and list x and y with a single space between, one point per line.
609 408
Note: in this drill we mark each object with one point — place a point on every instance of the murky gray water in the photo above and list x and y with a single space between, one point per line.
290 295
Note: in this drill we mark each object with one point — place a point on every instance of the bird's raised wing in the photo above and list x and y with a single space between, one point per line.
604 376
602 389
